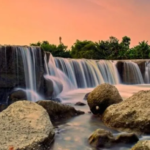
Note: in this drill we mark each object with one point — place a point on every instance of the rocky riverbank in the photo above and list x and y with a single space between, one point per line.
22 121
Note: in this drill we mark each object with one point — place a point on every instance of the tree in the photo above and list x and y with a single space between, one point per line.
57 51
126 41
84 49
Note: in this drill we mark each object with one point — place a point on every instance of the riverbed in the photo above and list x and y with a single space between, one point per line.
73 134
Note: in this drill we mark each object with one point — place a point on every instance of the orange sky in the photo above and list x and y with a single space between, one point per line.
27 21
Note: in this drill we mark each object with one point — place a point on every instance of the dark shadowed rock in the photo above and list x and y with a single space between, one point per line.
104 138
103 96
25 126
58 111
126 71
50 85
141 64
12 69
86 96
3 106
132 114
17 95
80 104
55 99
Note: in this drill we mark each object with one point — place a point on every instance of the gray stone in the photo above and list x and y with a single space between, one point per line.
58 111
104 138
133 114
25 126
103 96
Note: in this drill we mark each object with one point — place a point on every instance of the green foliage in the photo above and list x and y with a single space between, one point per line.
109 49
57 51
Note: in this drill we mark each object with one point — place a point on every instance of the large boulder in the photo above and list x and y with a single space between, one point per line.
58 111
25 126
103 96
131 114
142 145
104 138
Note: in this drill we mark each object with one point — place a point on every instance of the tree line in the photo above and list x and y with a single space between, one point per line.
109 49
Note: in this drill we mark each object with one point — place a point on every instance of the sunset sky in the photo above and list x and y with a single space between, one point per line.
27 21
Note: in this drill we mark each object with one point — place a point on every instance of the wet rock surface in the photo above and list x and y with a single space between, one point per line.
142 145
25 126
104 138
58 111
86 96
103 96
132 114
80 104
12 69
17 95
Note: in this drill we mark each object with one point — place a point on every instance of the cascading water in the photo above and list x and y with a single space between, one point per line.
28 55
147 72
24 67
132 73
60 81
88 73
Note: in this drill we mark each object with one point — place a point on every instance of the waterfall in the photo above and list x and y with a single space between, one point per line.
37 72
88 73
147 72
28 55
132 73
58 80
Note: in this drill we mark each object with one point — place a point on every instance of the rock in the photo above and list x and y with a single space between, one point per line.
142 145
103 96
3 106
86 96
120 68
80 104
101 138
55 99
53 86
126 138
104 138
132 114
58 111
25 125
17 95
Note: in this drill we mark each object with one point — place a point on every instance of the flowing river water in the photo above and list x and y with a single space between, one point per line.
73 134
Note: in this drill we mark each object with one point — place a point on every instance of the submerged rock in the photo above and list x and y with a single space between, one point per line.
53 86
142 145
17 95
86 96
104 138
131 114
103 96
58 111
25 126
80 104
